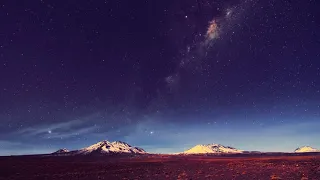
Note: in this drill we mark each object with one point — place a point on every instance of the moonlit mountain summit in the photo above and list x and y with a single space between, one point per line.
306 149
105 147
212 149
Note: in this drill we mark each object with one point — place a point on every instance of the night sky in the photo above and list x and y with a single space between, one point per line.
162 75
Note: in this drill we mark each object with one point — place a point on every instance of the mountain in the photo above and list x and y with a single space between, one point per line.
62 151
106 147
212 149
306 149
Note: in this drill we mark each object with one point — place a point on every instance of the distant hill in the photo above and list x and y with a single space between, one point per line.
61 151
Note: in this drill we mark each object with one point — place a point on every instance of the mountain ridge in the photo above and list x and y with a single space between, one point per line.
212 149
306 149
120 147
104 147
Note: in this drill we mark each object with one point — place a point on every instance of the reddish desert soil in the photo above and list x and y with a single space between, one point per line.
161 167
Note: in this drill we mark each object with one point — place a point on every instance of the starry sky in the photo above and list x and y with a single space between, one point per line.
162 75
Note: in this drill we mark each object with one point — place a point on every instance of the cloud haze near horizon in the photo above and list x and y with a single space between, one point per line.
157 137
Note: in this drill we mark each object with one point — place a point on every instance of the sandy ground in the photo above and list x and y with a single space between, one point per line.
161 167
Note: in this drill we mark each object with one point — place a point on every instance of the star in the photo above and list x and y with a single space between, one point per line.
49 131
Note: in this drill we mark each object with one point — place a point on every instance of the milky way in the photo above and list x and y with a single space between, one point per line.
218 28
212 32
228 21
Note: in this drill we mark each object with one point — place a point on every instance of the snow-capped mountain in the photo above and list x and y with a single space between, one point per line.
306 149
116 147
212 149
61 151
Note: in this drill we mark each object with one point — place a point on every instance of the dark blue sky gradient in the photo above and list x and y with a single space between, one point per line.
76 73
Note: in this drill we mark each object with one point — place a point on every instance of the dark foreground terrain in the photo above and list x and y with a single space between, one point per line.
161 167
